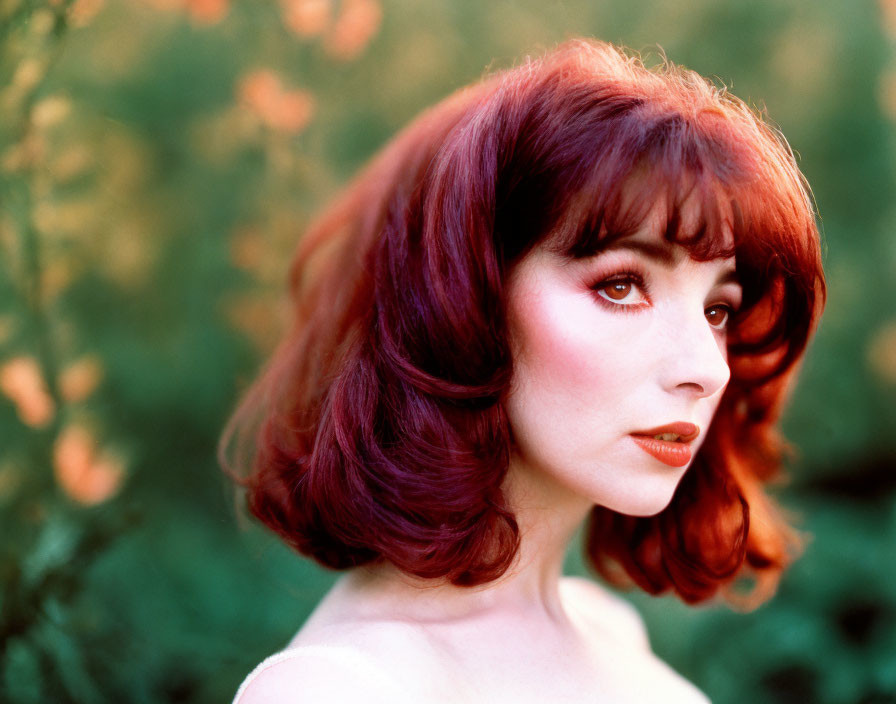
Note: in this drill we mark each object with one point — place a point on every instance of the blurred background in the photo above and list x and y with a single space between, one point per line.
159 159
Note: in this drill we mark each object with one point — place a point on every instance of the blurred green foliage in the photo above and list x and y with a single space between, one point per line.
158 161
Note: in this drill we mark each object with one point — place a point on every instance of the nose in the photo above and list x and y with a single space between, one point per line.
694 362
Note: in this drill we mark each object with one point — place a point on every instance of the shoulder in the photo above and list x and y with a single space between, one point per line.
605 610
330 673
654 680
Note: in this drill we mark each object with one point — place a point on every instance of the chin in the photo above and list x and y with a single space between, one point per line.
644 505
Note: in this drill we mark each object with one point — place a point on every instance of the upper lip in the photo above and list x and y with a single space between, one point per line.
686 432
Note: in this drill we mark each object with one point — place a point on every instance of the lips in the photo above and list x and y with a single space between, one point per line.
670 444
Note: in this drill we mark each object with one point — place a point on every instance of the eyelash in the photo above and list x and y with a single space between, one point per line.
636 279
621 277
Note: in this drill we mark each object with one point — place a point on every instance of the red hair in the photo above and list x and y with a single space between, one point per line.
377 432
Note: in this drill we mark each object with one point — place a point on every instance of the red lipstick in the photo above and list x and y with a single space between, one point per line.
674 452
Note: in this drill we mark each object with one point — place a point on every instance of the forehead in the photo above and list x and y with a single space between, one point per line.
686 210
692 226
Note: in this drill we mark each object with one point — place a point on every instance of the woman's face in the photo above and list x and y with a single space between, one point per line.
610 352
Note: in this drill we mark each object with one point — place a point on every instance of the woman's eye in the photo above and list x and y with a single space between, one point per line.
624 292
718 316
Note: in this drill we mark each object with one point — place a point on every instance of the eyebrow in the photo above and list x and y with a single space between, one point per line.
661 253
664 254
729 276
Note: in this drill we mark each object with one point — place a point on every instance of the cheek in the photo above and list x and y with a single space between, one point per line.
576 353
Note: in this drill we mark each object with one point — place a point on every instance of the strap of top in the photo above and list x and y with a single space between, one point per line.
340 654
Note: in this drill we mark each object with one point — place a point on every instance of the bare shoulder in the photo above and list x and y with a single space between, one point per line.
331 673
652 678
605 610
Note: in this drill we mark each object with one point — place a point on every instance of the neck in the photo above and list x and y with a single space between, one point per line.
548 519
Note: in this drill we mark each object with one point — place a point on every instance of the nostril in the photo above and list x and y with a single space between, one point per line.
692 386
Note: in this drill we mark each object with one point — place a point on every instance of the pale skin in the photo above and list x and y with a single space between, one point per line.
630 339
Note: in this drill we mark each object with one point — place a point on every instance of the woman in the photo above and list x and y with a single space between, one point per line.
576 290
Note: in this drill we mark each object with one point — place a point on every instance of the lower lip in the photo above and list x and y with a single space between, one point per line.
674 454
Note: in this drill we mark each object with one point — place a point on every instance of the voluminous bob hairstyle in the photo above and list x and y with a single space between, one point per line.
378 432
